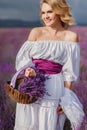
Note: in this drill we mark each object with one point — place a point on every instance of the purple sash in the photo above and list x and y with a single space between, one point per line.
49 67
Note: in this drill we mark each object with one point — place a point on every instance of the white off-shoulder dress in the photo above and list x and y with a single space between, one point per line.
42 114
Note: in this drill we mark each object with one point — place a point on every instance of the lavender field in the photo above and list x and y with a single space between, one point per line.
10 41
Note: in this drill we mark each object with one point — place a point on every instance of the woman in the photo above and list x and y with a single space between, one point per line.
52 43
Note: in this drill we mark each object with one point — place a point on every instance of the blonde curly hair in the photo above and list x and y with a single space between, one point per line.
62 8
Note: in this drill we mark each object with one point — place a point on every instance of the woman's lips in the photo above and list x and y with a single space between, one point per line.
47 21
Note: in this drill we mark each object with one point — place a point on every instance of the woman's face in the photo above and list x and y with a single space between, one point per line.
49 17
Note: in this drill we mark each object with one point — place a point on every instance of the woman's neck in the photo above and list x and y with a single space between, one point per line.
53 30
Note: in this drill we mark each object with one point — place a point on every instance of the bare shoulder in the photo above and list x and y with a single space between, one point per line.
72 36
34 34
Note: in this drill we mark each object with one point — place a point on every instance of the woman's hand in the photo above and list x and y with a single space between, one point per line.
68 84
59 110
29 72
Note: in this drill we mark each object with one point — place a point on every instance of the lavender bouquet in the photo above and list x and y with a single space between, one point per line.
34 86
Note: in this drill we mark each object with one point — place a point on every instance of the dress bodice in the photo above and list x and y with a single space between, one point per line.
66 53
57 51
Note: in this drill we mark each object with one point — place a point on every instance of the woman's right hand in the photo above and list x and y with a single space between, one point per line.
29 72
59 110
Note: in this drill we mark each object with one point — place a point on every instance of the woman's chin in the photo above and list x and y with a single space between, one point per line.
49 24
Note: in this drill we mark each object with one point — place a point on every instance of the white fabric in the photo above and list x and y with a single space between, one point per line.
42 114
72 108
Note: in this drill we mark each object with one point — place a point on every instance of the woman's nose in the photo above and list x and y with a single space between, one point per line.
46 15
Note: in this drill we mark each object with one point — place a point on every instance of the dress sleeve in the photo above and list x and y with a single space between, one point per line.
72 64
23 57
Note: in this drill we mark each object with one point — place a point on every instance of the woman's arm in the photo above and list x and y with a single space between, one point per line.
68 84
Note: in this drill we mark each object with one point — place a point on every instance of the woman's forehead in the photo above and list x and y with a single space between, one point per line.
46 7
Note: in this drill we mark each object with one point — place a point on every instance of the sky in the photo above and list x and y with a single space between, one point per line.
28 10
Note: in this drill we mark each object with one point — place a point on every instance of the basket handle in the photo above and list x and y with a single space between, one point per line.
14 78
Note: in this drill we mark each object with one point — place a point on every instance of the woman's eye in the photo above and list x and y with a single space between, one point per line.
42 12
50 11
47 12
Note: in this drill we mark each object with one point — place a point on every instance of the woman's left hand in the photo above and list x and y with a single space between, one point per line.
59 110
29 72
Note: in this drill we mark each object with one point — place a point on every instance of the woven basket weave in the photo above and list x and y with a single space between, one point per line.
16 95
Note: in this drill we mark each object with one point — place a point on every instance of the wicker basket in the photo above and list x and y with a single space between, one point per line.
18 88
16 95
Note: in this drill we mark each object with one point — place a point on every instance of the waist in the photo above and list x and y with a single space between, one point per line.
47 66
